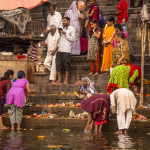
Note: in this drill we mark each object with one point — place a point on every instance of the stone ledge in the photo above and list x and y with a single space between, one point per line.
76 124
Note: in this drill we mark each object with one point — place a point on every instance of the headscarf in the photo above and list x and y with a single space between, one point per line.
20 72
90 84
73 13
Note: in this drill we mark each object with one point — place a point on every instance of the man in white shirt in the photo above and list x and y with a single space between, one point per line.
52 41
53 18
63 57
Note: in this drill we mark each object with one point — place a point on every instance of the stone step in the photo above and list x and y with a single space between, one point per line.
77 124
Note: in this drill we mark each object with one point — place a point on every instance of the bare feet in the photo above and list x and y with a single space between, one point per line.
53 82
12 127
57 82
96 74
90 73
18 129
125 131
119 132
106 73
4 127
65 82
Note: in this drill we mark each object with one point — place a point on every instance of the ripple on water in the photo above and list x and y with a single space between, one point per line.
74 140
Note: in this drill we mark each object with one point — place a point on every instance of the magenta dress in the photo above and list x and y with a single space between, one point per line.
16 94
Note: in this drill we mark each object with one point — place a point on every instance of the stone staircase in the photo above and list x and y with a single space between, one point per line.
80 66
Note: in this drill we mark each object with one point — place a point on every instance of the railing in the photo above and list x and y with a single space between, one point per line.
34 27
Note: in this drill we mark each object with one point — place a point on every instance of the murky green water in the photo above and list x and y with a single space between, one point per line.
73 140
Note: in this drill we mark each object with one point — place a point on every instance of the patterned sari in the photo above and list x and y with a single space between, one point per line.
122 76
98 106
108 36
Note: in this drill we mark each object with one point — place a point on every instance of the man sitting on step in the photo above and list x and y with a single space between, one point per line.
52 41
63 57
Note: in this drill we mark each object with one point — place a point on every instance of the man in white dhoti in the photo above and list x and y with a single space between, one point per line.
125 102
52 41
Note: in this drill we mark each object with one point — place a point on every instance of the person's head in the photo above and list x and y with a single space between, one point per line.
20 74
52 9
66 21
118 27
92 2
85 82
119 36
93 23
52 29
110 21
8 75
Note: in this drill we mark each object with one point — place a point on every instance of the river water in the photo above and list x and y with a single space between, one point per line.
45 139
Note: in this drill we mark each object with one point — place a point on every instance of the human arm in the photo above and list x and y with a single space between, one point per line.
97 34
28 89
112 102
70 35
133 77
43 43
124 8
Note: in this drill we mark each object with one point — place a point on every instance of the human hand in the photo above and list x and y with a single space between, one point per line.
53 52
62 32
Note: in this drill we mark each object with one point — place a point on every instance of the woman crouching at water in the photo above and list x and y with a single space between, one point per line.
97 107
16 97
5 85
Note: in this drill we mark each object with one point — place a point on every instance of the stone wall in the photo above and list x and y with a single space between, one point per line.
13 63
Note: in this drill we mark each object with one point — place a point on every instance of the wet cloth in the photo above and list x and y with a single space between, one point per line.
108 36
19 17
98 106
122 76
16 114
74 14
1 106
121 50
16 94
13 4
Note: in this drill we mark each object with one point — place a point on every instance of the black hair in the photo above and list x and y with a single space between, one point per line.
93 21
111 19
52 5
21 74
120 34
118 25
7 74
67 18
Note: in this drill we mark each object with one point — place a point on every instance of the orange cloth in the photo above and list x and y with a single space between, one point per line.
96 62
13 4
108 36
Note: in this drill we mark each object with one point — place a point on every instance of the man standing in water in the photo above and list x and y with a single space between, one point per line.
63 57
124 101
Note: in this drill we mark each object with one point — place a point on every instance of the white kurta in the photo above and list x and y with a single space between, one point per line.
52 42
125 102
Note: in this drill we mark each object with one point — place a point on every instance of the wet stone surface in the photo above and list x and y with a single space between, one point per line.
73 140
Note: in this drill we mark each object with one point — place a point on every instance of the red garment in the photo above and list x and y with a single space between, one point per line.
100 122
133 68
84 44
3 87
96 62
123 8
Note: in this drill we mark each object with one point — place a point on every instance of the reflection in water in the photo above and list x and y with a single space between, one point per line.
125 142
74 140
14 141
